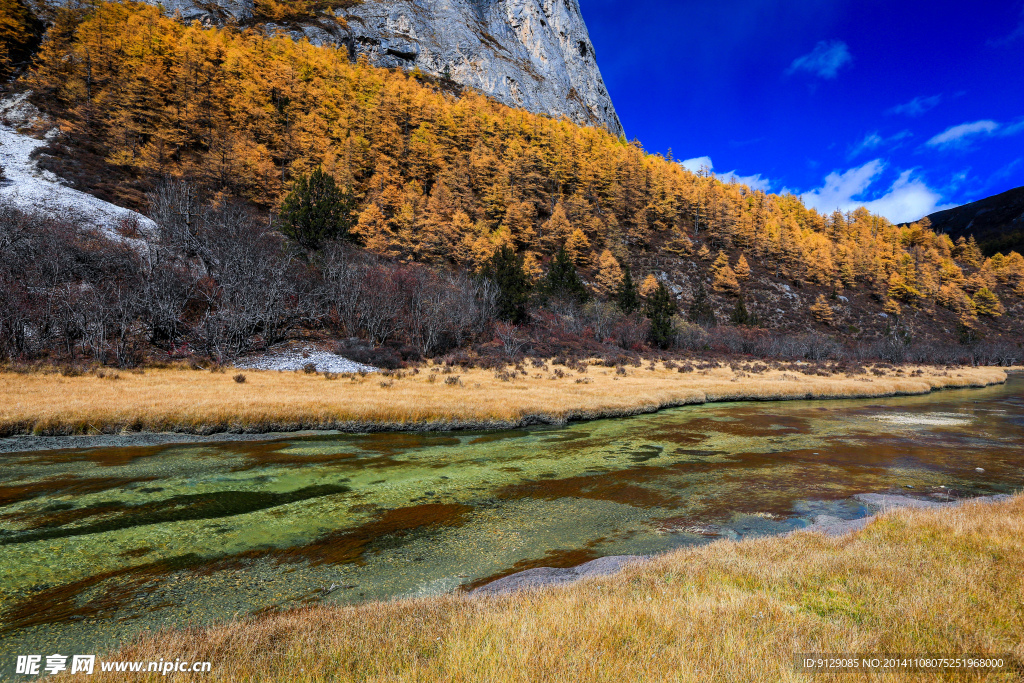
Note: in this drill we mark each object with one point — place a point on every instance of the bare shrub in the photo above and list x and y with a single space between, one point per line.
631 332
689 336
512 338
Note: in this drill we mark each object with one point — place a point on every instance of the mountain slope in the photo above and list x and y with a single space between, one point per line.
533 54
996 222
453 181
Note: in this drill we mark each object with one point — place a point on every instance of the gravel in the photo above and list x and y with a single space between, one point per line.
298 359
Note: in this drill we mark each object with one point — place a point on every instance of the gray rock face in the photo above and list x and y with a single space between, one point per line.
534 54
207 11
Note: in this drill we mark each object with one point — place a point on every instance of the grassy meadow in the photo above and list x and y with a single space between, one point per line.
428 397
939 582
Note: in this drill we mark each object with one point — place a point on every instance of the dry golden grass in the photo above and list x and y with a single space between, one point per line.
205 402
937 582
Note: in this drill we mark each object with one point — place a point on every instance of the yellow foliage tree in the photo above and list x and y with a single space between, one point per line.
987 303
649 286
822 311
15 32
953 298
681 245
557 229
532 266
578 248
609 273
742 268
721 261
900 290
373 230
725 281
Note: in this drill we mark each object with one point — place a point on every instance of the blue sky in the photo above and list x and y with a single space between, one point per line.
903 106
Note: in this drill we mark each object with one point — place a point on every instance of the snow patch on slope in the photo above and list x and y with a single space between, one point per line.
31 188
297 359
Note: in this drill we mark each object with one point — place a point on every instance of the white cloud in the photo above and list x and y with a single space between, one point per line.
825 60
874 141
841 188
694 165
916 106
958 135
907 199
754 182
1013 128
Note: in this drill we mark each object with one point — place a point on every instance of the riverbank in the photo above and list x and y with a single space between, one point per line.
913 581
429 398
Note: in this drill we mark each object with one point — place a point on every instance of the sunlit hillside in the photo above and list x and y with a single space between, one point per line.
447 177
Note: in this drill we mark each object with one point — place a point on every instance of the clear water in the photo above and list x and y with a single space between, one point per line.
97 545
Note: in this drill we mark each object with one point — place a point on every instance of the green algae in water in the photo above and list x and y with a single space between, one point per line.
176 508
98 544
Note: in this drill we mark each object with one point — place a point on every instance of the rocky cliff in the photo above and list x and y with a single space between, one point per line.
534 54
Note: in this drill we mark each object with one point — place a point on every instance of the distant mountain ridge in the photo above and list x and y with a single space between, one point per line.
996 222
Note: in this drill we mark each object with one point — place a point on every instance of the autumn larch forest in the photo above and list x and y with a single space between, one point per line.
300 193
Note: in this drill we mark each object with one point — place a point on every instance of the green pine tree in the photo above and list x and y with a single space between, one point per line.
627 298
659 309
701 311
740 316
562 281
505 270
317 210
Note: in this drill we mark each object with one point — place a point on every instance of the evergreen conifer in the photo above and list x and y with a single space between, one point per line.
317 210
740 316
505 270
701 311
627 297
562 281
659 309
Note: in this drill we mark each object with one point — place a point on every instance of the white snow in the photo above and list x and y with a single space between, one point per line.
297 359
33 189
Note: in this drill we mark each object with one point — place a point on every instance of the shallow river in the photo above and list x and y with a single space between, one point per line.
99 544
